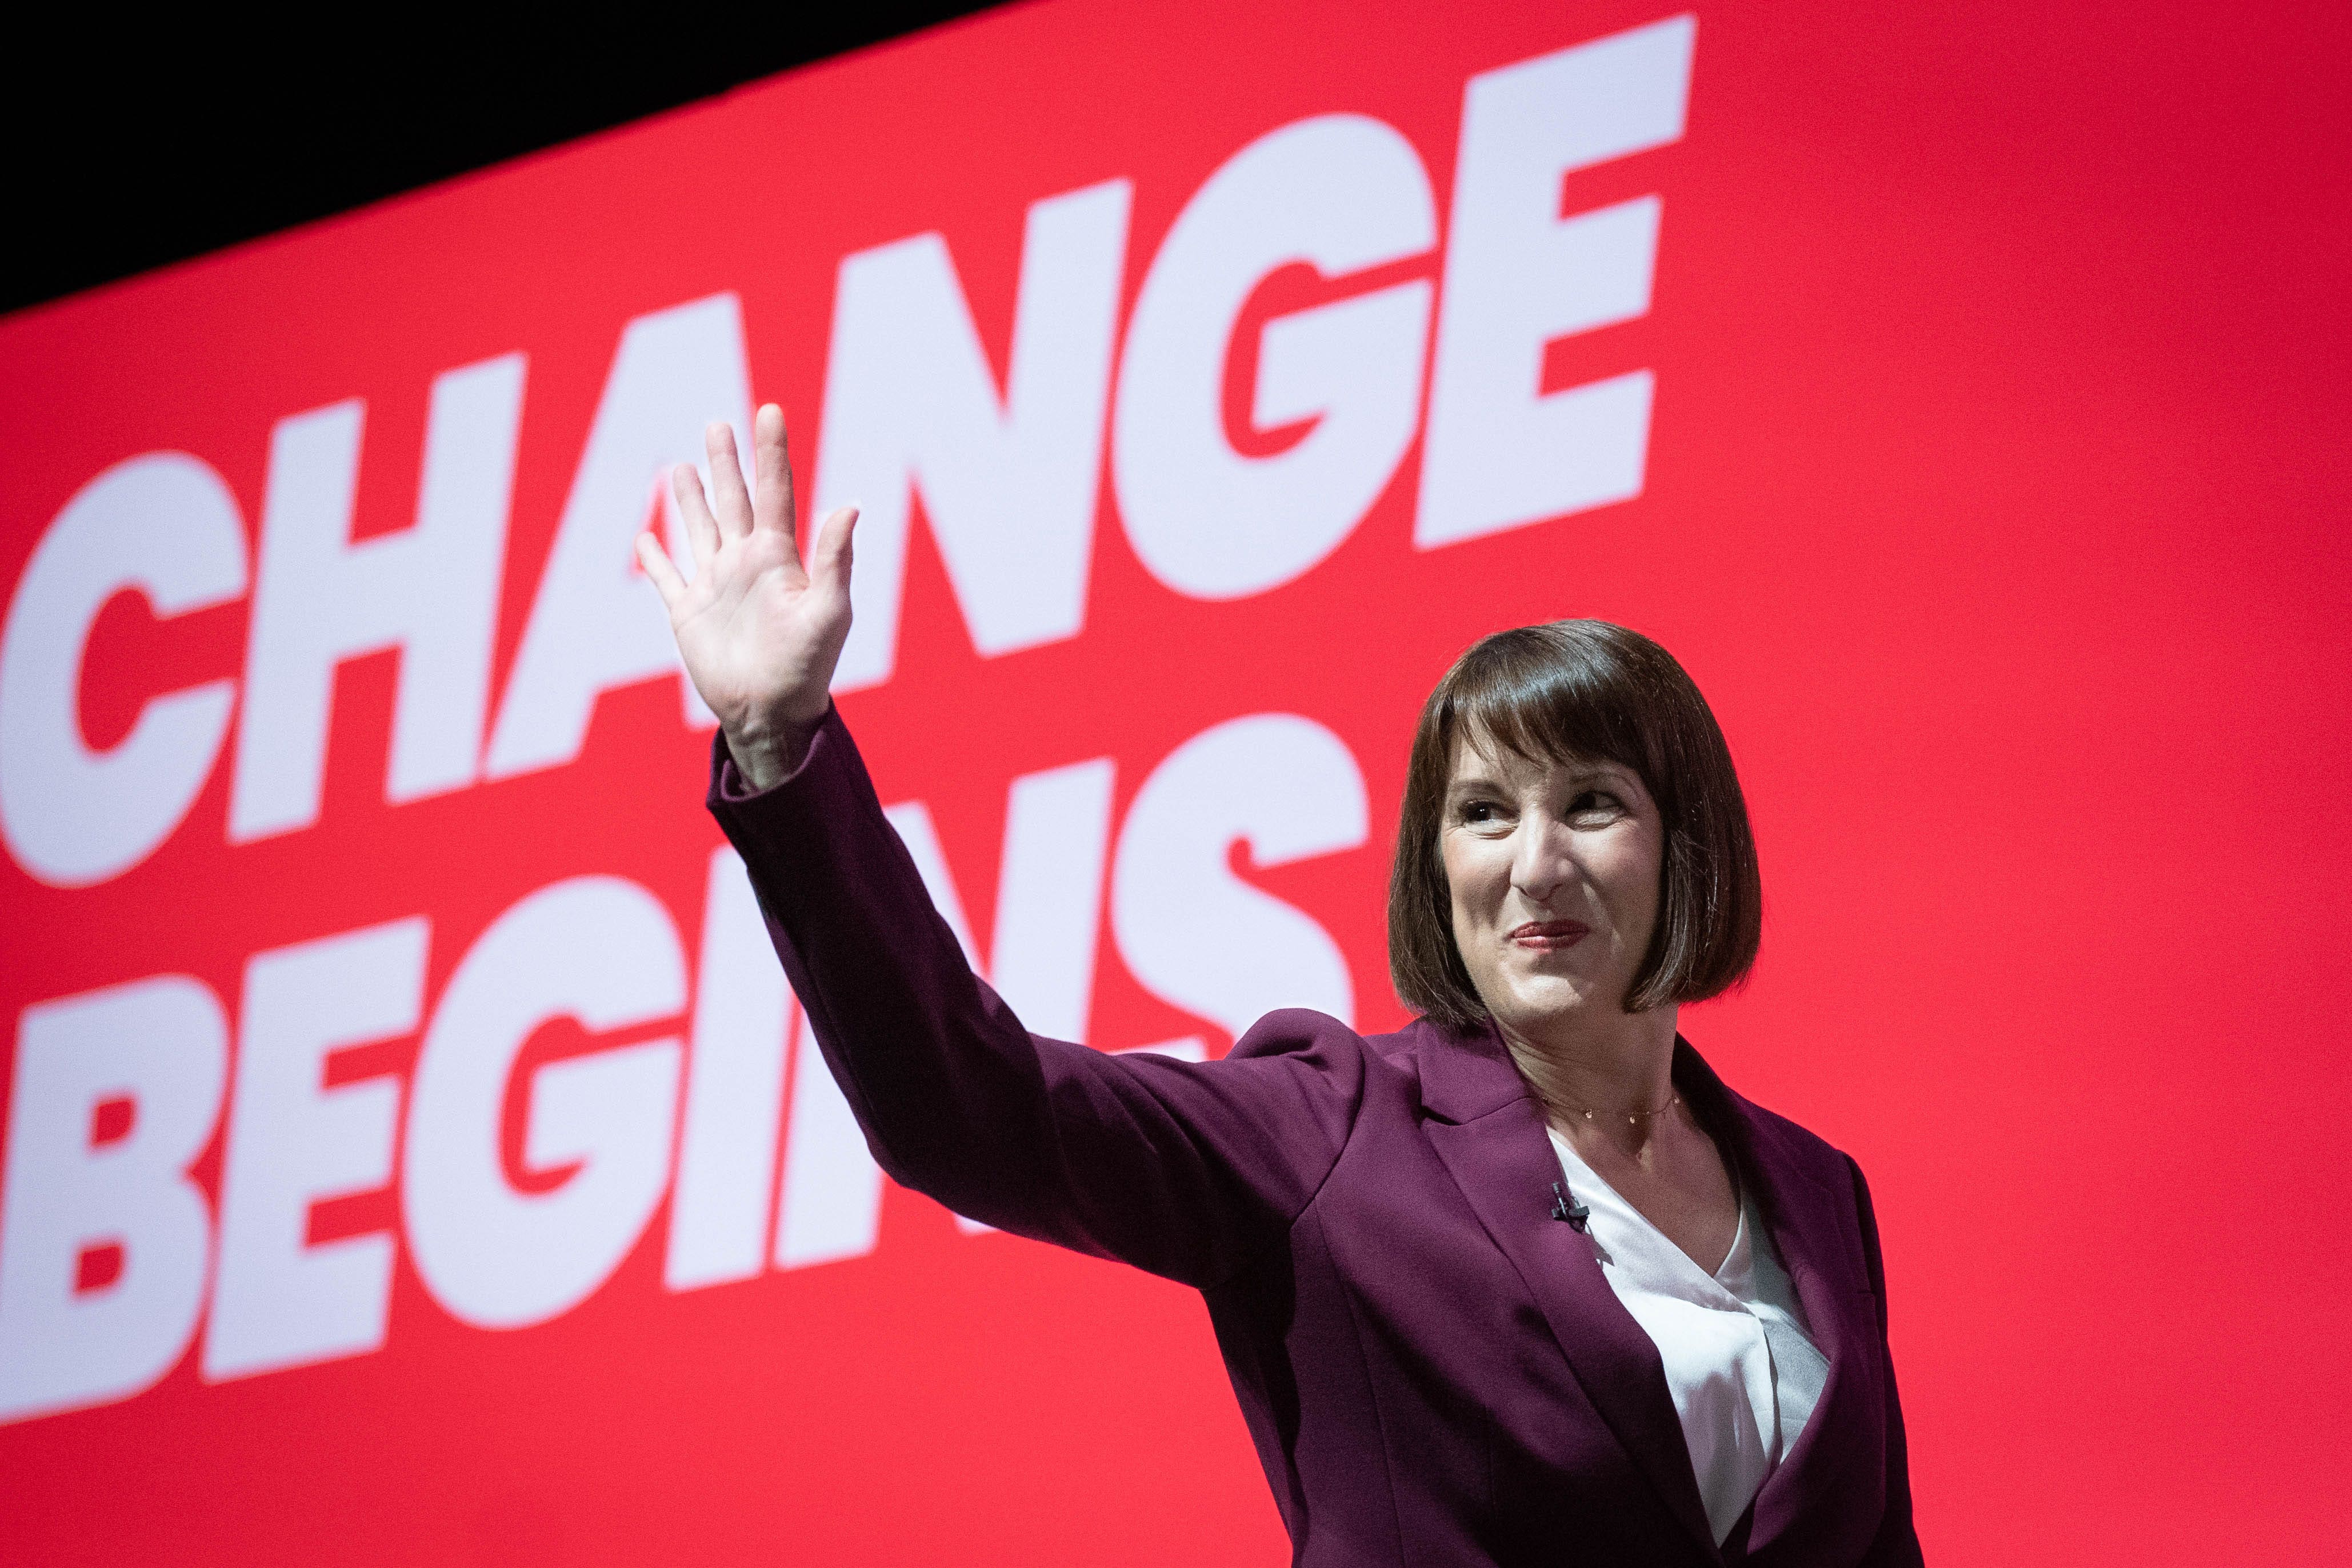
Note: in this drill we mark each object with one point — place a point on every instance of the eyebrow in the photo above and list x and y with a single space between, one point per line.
1579 773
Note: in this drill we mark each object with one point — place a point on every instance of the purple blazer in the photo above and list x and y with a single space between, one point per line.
1432 1368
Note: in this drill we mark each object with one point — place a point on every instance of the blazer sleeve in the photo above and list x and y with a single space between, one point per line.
1896 1544
1183 1169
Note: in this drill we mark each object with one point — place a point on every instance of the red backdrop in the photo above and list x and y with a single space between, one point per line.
1992 486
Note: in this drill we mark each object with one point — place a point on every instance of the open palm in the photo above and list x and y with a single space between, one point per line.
760 631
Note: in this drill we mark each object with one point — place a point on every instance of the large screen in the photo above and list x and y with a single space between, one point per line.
412 1151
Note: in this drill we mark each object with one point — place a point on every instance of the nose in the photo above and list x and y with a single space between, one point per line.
1540 860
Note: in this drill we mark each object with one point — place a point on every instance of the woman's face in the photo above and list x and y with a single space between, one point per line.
1554 872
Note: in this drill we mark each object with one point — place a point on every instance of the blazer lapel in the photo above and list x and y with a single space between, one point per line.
1836 1463
1491 1137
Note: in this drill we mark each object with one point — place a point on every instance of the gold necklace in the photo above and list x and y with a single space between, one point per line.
1633 1117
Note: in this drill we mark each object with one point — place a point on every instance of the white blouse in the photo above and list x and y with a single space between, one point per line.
1741 1366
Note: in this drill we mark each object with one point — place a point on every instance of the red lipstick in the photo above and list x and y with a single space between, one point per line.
1549 936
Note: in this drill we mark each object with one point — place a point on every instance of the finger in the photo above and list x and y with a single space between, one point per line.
771 505
833 542
701 529
659 567
729 499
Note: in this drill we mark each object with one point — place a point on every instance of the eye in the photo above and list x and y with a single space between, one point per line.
1478 813
1596 805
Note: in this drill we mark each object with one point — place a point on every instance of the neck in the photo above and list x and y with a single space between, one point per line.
1614 1067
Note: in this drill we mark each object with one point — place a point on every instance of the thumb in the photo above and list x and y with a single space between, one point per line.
833 542
660 569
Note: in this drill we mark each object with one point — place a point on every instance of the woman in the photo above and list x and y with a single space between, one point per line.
1523 1282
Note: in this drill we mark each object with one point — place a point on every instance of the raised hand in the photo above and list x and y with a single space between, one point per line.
760 632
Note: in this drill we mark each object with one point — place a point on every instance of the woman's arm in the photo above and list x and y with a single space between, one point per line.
1184 1170
1181 1169
1897 1542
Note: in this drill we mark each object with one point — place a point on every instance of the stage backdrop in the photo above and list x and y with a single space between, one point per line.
412 1154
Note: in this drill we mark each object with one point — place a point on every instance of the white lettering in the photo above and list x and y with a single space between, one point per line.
430 591
832 1203
1342 192
1499 453
1049 896
1189 930
278 1302
159 1049
163 525
596 949
596 625
1008 485
734 1091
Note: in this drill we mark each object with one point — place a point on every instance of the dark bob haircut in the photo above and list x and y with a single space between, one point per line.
1585 690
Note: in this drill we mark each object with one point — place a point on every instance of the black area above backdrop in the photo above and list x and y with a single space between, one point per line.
134 143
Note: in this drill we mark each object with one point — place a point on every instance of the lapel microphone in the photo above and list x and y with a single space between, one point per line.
1564 1207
